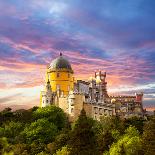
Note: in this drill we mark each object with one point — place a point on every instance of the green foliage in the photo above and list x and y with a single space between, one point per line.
111 123
41 131
6 115
148 138
2 130
36 147
82 139
28 131
53 114
104 141
63 151
60 141
116 134
137 122
3 144
128 144
24 116
105 131
42 153
45 131
21 149
12 130
8 153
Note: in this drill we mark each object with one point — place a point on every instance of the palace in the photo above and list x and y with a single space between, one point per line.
62 90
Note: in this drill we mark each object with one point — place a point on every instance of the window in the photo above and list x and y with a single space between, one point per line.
72 109
95 110
71 102
58 75
46 101
68 75
100 111
58 87
62 92
95 117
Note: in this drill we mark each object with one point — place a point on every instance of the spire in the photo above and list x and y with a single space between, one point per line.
48 81
48 85
60 54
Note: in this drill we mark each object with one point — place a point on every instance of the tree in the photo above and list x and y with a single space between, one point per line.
19 149
111 123
104 129
148 137
60 141
6 115
12 131
104 141
129 143
53 114
63 151
42 153
41 131
82 138
137 122
24 116
3 144
37 147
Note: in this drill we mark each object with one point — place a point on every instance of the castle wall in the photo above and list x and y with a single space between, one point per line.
63 104
78 104
101 110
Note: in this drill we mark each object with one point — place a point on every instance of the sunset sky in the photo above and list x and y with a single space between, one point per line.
116 36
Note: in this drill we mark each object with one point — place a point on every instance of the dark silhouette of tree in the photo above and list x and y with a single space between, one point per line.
83 139
104 141
136 122
6 115
148 138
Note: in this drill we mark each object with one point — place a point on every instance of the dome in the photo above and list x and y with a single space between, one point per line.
60 63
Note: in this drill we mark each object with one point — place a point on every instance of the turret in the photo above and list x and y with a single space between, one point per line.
101 84
48 86
60 75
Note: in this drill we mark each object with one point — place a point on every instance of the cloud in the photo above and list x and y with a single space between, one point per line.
113 36
8 98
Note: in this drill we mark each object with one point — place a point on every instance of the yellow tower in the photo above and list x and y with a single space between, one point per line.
60 75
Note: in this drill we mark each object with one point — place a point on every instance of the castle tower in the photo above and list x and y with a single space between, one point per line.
60 75
101 84
46 95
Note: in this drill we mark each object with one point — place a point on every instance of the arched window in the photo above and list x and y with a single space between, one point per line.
58 87
72 110
58 75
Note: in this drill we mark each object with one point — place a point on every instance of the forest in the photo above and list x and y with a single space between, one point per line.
48 131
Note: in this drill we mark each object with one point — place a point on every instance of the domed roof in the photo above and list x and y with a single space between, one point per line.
60 63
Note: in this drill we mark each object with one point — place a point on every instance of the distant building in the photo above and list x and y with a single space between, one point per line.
63 91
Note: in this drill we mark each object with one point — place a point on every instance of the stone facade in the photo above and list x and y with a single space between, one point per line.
90 95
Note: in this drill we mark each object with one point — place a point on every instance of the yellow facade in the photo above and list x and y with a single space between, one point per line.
62 80
60 75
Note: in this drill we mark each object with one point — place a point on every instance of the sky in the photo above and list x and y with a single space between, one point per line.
116 36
